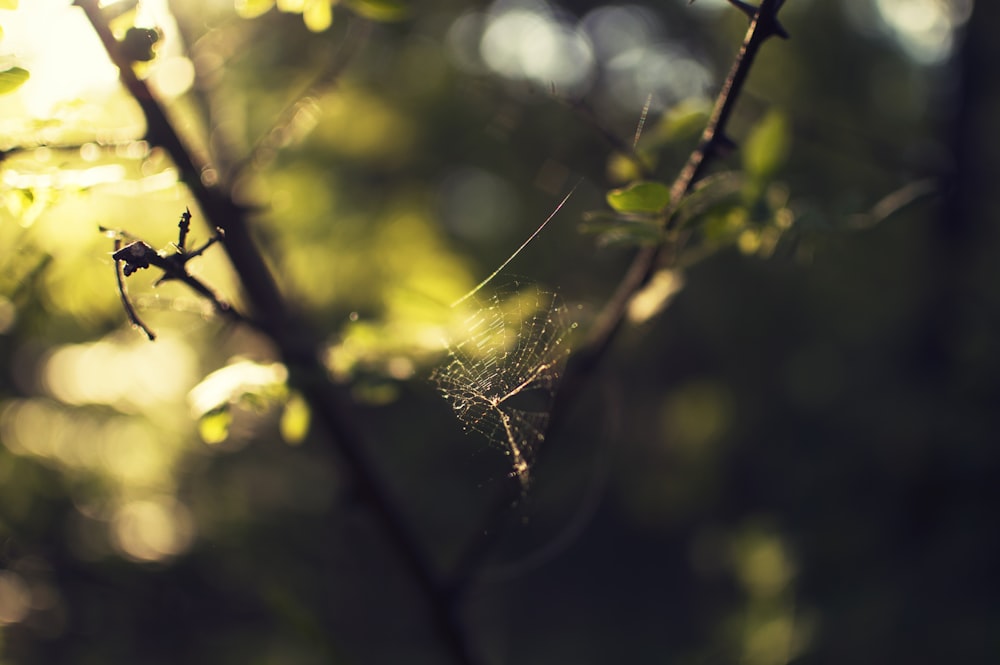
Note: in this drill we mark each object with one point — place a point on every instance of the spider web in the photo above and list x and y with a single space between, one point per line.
501 377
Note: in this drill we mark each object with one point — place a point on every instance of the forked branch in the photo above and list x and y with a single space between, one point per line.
137 255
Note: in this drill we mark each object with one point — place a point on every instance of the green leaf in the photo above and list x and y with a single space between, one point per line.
213 426
250 384
640 197
295 418
318 16
12 79
252 8
683 121
767 147
380 10
710 194
622 228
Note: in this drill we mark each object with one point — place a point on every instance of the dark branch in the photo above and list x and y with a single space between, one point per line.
713 140
583 362
133 316
300 349
138 255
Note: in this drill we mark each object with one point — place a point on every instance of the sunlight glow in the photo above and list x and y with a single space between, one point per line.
656 295
153 529
925 29
15 597
130 376
531 44
537 42
78 67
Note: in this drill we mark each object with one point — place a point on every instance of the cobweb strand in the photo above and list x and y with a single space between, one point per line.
501 378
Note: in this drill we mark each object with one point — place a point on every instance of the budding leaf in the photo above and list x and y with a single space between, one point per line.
317 15
294 423
252 8
12 79
649 197
766 149
213 426
379 10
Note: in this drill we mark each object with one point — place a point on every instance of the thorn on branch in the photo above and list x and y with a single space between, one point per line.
133 316
185 226
769 22
721 145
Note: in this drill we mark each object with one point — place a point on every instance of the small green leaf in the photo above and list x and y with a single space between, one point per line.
250 384
684 121
640 197
767 147
379 10
318 16
252 8
622 229
294 423
213 426
712 193
12 79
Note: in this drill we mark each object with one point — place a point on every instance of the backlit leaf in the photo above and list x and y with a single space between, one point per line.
213 427
12 79
767 147
683 121
379 10
640 197
250 384
295 418
318 16
615 229
252 8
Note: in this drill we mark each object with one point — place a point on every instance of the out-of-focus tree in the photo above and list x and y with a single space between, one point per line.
773 437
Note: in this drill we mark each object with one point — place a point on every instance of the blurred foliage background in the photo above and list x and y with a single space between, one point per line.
794 461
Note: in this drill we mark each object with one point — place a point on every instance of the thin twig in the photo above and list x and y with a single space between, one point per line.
326 77
627 150
138 255
895 201
133 316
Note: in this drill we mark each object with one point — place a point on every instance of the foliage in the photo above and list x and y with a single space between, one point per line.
782 452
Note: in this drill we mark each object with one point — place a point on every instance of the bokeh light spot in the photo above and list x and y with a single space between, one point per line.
15 598
529 43
153 529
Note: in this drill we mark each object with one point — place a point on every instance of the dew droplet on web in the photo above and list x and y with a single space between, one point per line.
502 370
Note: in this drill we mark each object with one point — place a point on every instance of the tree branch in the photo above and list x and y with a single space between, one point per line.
299 348
582 363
